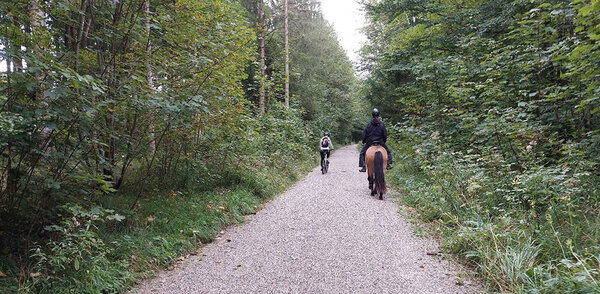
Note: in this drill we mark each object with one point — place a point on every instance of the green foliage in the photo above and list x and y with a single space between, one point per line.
78 261
327 102
107 89
533 231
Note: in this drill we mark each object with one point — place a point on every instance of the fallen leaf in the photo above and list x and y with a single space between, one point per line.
181 258
2 275
228 240
421 266
150 219
221 207
432 253
460 283
239 265
35 275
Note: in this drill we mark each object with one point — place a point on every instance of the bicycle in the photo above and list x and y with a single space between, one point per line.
325 161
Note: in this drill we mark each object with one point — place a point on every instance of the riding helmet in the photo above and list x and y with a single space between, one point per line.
326 134
375 112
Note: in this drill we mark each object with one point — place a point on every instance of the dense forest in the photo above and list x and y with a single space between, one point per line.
495 106
133 130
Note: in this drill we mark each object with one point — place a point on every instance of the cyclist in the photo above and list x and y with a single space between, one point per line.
325 146
374 133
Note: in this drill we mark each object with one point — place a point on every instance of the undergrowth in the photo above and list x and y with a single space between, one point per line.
530 231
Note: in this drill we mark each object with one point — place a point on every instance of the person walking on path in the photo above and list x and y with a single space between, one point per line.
374 134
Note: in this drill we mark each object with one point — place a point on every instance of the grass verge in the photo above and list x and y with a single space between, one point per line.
516 246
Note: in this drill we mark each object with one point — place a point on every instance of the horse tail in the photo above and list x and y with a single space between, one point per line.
379 174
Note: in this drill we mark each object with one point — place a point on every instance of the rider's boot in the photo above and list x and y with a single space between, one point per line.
363 169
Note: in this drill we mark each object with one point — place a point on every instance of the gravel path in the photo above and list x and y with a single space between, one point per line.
324 235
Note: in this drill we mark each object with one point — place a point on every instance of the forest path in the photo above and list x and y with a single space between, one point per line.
323 235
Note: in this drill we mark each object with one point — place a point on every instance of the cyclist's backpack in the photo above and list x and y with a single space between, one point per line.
325 143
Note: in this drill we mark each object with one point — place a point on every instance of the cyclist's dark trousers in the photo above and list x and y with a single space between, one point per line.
361 159
323 155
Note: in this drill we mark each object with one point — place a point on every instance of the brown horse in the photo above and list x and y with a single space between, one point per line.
376 158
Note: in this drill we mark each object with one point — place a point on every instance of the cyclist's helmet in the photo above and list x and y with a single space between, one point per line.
375 112
326 134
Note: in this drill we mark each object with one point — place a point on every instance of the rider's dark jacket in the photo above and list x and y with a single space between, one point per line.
374 131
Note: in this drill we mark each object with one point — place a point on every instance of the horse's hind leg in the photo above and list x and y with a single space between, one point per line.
373 189
370 183
380 196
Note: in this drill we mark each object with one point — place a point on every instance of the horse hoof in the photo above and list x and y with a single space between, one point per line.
380 197
372 193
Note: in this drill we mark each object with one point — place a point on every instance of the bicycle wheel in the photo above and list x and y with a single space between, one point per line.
324 166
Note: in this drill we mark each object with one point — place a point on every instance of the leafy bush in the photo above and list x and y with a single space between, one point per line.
531 231
78 259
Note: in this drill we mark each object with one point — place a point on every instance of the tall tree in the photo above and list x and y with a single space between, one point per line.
287 54
261 57
38 27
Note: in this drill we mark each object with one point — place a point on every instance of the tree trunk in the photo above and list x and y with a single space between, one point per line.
261 57
287 53
38 23
149 75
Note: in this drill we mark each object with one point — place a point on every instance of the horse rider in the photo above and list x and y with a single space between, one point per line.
374 134
325 145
